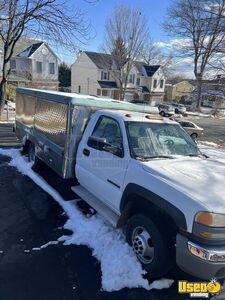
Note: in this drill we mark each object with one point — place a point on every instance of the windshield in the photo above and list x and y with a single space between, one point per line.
151 140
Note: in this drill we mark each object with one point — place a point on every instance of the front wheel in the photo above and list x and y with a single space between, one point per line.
150 244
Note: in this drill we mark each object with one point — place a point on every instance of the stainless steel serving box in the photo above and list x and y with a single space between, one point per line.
55 122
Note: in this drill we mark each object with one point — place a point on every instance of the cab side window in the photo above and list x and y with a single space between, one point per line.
109 129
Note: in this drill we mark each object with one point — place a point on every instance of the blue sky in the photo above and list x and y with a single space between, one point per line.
154 10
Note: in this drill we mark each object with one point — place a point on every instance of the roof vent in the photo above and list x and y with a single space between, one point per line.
153 117
128 115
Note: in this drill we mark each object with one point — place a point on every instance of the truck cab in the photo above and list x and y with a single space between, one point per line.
141 172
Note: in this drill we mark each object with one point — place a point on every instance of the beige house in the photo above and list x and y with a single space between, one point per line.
92 73
176 91
33 64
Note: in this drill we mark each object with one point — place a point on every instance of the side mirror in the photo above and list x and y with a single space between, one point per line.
97 143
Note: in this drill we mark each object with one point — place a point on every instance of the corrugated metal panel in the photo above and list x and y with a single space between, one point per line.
25 109
51 120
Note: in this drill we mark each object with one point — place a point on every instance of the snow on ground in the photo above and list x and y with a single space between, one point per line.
212 150
119 265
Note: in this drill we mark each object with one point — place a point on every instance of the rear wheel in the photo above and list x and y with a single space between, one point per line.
162 113
31 153
33 159
150 244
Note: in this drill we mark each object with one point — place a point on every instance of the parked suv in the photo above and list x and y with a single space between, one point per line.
179 108
166 110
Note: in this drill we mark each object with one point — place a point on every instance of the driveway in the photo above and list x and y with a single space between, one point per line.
29 218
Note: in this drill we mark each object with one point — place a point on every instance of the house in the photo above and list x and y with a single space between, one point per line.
146 83
213 93
177 90
92 73
33 64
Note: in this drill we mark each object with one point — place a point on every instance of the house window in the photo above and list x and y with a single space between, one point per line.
12 64
155 83
105 93
38 66
104 75
51 68
131 78
138 81
79 89
161 84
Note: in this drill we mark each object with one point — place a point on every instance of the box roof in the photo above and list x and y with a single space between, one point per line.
87 100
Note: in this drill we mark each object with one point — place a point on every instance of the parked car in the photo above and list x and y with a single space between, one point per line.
192 129
179 108
166 110
143 173
10 105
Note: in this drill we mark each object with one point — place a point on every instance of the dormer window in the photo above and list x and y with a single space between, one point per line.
131 78
39 67
104 75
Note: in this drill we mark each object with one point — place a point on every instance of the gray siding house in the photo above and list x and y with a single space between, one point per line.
33 64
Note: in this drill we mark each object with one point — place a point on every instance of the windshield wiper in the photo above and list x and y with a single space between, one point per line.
198 155
158 156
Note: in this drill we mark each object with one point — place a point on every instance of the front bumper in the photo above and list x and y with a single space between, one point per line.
205 262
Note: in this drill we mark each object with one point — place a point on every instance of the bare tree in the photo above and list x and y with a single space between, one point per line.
125 34
52 19
151 54
200 26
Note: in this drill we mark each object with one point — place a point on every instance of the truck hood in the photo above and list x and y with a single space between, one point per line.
198 178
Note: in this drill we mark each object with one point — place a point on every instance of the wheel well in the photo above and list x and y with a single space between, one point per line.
26 147
136 204
194 133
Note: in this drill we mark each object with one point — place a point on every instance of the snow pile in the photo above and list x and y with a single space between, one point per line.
213 152
45 245
120 267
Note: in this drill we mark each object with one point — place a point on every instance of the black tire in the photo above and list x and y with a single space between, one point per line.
194 136
31 153
162 113
163 258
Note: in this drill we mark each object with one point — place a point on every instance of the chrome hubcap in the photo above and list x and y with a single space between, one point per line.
142 245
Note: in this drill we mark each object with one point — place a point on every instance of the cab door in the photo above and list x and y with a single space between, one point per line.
102 171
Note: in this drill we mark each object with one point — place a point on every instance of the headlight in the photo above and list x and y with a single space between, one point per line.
210 219
209 225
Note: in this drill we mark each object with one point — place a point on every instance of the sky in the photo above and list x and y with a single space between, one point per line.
97 13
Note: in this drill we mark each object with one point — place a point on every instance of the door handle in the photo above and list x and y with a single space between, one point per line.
86 152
